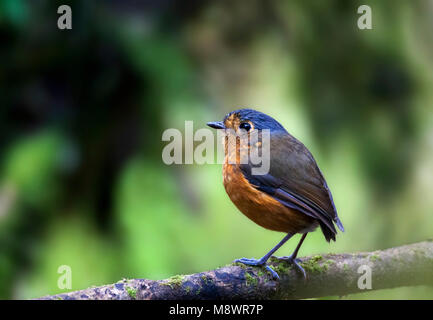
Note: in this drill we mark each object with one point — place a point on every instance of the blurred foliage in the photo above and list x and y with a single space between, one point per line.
82 114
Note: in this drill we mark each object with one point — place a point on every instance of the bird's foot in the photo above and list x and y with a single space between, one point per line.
295 262
258 262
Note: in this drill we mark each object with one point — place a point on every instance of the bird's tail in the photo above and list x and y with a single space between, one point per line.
330 233
339 224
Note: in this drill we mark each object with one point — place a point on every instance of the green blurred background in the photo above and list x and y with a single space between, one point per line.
82 112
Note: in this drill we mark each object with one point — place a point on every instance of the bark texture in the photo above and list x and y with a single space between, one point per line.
327 275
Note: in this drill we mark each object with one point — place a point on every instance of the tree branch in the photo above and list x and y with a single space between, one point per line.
327 275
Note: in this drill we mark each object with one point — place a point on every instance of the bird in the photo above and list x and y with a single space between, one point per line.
291 197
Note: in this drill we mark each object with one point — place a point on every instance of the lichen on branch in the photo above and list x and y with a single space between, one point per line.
327 275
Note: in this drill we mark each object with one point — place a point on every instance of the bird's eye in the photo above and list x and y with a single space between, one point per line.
245 125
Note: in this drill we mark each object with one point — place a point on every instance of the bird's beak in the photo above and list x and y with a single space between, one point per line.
216 125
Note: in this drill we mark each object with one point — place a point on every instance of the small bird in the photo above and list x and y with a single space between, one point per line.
292 197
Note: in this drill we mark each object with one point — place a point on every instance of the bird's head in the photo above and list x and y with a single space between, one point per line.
242 128
247 119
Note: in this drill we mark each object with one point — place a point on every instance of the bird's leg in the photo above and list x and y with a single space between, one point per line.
262 260
292 257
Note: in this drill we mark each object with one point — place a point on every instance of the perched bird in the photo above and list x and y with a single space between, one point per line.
292 197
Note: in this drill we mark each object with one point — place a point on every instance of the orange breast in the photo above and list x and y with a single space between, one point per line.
260 207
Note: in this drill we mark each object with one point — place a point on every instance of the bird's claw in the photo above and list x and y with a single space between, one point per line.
296 262
273 272
258 262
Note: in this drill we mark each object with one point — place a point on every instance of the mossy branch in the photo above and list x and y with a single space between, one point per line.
327 275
